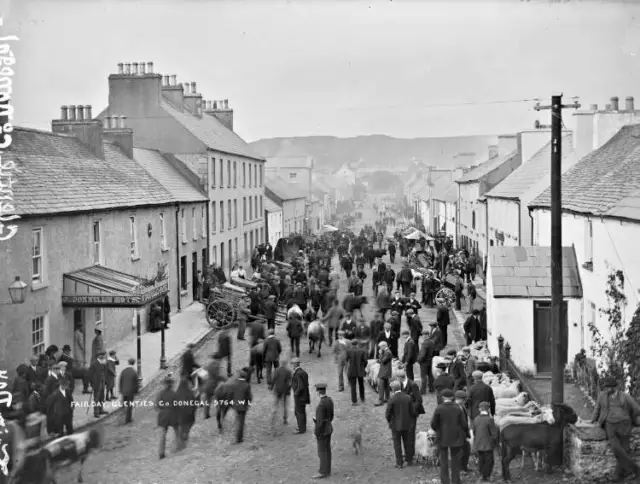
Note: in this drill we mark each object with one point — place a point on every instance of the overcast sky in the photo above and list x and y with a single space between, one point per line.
343 68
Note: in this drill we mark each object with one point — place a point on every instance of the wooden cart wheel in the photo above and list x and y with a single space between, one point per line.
220 314
447 295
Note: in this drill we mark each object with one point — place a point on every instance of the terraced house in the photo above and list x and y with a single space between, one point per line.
99 238
174 119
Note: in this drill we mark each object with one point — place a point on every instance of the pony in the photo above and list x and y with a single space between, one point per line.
316 334
536 437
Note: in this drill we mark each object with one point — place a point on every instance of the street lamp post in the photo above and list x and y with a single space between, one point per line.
17 292
163 359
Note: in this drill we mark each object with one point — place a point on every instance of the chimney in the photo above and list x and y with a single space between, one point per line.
507 143
607 107
115 132
220 110
192 99
173 80
165 81
614 103
88 131
629 106
134 69
193 88
120 68
142 68
593 107
149 67
135 92
87 112
493 151
174 93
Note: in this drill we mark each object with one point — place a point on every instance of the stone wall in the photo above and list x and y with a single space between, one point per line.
588 455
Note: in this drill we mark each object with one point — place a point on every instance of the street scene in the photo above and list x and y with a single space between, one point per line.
331 241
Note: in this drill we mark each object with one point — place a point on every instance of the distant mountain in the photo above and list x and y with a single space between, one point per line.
379 150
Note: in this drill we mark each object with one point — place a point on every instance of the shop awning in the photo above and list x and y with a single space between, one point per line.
99 287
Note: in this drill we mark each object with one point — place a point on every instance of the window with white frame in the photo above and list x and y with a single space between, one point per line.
255 203
194 224
221 216
588 241
293 176
261 207
214 222
38 335
250 209
249 175
203 221
183 226
235 174
37 270
244 210
221 174
229 181
98 315
163 237
133 236
255 176
229 217
235 213
213 172
97 243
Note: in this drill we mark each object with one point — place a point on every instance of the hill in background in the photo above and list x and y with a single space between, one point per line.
381 151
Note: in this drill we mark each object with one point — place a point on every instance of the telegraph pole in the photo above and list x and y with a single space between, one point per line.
558 331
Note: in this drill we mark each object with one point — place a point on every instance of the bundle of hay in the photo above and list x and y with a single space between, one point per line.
439 359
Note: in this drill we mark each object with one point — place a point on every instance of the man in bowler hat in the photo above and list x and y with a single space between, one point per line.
323 430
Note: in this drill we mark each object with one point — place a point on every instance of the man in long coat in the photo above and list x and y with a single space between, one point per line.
425 360
411 388
323 430
241 399
60 410
301 397
472 329
98 376
356 364
400 416
271 355
167 416
129 387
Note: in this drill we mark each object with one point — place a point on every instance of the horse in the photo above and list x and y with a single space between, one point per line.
316 332
256 362
538 436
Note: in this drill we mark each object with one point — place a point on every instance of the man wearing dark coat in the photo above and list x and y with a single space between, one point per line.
410 388
98 375
400 414
186 411
472 329
356 365
241 398
390 337
32 370
167 415
270 311
301 397
67 358
257 332
323 430
443 322
384 374
129 387
457 372
436 335
294 331
452 430
271 355
21 385
281 390
398 303
224 349
443 382
425 360
478 393
409 354
60 410
414 323
188 361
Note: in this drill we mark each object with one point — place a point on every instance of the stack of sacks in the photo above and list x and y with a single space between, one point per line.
530 413
439 359
373 369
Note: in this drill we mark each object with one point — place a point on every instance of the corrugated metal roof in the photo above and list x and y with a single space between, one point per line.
271 205
532 171
526 272
486 167
282 189
169 177
605 182
58 174
212 133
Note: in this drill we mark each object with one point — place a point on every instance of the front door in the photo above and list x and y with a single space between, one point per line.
194 275
78 322
542 335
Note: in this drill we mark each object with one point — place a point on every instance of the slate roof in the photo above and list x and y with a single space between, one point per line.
486 167
169 177
58 174
441 185
525 272
212 133
605 182
289 162
271 205
531 172
283 190
451 195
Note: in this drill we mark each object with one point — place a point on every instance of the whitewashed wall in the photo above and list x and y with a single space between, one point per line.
450 209
469 193
275 227
615 246
503 217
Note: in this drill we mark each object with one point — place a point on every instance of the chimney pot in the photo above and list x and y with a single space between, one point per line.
72 113
607 107
114 122
226 104
593 107
165 80
193 88
106 122
63 113
134 69
80 112
127 68
120 68
614 103
87 112
536 124
215 105
149 67
630 106
122 118
173 80
142 68
209 105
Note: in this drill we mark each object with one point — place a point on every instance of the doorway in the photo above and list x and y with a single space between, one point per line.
194 276
542 347
78 322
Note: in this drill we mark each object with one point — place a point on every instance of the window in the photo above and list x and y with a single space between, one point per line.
36 256
588 242
97 246
250 210
249 175
244 210
255 203
473 220
213 172
246 247
293 176
244 175
163 238
183 226
203 221
221 216
214 254
221 174
235 174
235 213
213 217
261 207
183 272
255 176
261 175
262 234
38 335
97 315
235 246
133 235
229 218
228 173
194 228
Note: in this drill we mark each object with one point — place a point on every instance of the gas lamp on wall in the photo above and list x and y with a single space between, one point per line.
17 292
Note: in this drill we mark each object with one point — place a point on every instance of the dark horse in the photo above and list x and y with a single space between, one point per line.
542 436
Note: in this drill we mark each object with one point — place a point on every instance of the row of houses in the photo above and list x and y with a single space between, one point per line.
123 209
501 209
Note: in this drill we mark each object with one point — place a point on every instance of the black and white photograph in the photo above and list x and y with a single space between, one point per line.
351 241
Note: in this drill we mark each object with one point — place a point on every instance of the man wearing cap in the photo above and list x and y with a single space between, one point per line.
401 416
472 328
617 412
282 378
167 415
67 358
60 410
383 301
31 371
52 381
332 319
411 388
443 382
470 362
112 362
375 328
188 362
398 303
437 336
241 398
242 314
451 429
98 375
414 323
409 353
301 397
413 303
356 360
348 324
295 331
323 430
395 320
340 357
485 438
128 385
479 392
425 360
270 311
97 345
461 401
271 355
457 372
384 373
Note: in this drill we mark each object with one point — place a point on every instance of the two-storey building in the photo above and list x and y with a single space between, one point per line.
293 203
174 119
273 215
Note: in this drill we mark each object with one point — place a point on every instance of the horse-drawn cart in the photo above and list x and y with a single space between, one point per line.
222 306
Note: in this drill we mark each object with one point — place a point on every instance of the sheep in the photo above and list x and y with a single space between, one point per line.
510 390
426 449
519 400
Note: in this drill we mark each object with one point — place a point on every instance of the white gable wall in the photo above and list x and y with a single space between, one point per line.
504 217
